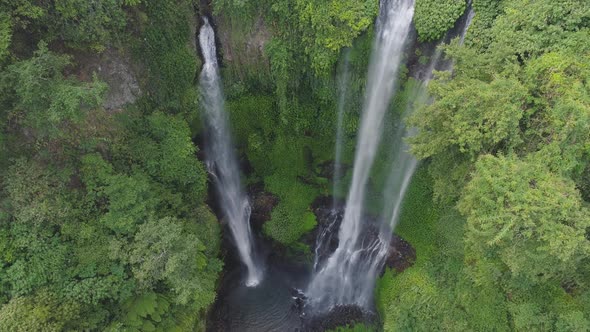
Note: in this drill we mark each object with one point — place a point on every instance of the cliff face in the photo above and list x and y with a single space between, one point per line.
114 67
242 42
242 47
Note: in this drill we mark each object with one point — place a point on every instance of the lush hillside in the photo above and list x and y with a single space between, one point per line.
106 218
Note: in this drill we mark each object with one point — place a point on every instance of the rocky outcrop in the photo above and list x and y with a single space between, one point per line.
249 45
262 203
115 68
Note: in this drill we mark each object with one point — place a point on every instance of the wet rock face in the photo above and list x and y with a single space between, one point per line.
249 46
262 203
401 253
326 170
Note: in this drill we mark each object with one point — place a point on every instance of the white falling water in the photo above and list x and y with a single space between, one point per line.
328 231
343 278
344 77
469 19
404 164
221 160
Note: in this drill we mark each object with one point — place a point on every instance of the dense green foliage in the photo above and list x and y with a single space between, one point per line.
78 23
282 159
103 220
287 130
441 291
103 224
434 17
164 45
319 28
507 138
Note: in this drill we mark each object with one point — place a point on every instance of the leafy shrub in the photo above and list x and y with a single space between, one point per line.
434 17
486 11
292 217
164 46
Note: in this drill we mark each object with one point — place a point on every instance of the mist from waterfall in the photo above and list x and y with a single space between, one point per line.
221 160
343 277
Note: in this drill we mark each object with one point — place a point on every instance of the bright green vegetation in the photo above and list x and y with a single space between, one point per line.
286 130
103 221
434 17
507 140
436 293
164 48
281 161
319 28
354 328
78 23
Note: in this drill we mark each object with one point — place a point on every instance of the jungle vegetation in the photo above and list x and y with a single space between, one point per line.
104 217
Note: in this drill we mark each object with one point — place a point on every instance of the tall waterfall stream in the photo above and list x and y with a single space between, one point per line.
221 160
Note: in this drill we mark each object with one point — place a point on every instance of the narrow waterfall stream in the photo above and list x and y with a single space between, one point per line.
328 232
338 280
221 160
343 78
468 20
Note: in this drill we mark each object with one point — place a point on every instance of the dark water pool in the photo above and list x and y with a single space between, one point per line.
277 303
270 306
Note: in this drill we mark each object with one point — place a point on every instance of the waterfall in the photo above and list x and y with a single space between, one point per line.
221 160
449 65
344 77
404 164
327 232
343 278
468 20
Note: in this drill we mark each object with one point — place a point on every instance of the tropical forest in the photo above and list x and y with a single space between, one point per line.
294 165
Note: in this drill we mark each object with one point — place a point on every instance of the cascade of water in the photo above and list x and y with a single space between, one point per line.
221 159
342 90
404 164
327 231
466 24
342 279
402 169
324 238
468 21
